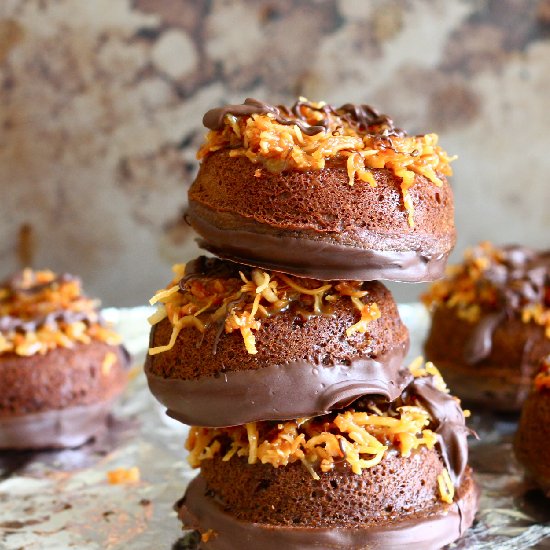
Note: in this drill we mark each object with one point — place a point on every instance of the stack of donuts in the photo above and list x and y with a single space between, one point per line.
286 355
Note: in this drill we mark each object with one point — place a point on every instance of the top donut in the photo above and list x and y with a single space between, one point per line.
334 193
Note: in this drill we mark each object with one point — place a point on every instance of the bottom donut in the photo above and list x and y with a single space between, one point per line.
221 531
375 474
60 399
54 429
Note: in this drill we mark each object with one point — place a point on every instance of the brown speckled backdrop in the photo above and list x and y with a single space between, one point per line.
101 103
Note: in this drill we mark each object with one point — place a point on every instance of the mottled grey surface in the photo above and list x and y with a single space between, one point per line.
101 103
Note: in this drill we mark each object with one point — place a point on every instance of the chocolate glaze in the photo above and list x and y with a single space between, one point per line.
431 531
364 118
69 427
450 426
15 284
279 392
319 259
479 345
521 278
203 266
9 323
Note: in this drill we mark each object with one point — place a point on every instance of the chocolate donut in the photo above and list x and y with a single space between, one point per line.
61 366
310 347
532 441
491 324
323 192
251 493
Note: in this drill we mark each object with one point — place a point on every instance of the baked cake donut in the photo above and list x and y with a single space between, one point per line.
532 442
263 345
372 475
61 366
323 192
491 324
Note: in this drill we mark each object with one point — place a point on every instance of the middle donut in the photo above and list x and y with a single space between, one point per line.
232 344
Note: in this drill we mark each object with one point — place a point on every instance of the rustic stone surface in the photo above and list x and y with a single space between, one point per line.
102 104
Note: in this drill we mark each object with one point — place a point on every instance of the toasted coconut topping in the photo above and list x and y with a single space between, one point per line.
446 487
513 280
308 134
420 369
359 435
240 299
542 379
205 537
124 475
40 311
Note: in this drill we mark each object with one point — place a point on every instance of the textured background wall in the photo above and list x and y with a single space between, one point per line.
101 103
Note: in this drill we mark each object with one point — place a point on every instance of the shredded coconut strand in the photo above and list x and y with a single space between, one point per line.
359 437
262 139
446 487
241 304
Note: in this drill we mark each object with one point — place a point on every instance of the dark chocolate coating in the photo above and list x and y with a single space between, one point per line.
55 428
430 529
450 427
328 261
313 223
279 392
305 364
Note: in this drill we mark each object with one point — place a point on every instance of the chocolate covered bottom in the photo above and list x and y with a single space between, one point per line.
320 259
279 392
61 428
431 531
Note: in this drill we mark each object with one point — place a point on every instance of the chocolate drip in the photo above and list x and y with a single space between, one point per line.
221 322
15 284
450 426
480 343
203 266
363 118
9 323
520 278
